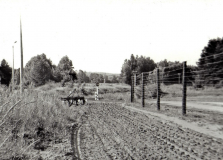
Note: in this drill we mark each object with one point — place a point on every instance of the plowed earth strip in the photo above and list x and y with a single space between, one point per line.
185 143
159 137
95 142
116 132
182 123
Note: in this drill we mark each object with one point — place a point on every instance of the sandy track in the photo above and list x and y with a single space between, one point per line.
211 106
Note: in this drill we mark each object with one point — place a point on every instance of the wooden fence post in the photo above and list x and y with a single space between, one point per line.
134 75
158 89
133 85
184 88
143 92
132 89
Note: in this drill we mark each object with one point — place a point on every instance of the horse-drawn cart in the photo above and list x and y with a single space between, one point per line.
71 100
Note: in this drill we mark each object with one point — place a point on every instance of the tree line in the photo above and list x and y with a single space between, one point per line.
40 69
208 71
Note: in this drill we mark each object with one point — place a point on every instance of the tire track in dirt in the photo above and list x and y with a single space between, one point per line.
78 143
74 140
75 137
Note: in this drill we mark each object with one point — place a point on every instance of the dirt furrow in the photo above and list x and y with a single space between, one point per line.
91 145
148 137
160 138
110 137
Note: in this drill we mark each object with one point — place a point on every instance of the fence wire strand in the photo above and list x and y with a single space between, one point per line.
215 55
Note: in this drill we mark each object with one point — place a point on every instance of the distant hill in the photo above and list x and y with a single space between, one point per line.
110 75
103 73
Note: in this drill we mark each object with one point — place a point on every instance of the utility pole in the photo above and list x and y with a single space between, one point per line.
158 88
13 77
21 68
184 98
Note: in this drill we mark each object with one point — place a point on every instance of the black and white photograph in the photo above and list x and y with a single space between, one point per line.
111 80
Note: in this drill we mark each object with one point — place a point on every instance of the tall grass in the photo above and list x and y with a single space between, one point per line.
126 97
31 120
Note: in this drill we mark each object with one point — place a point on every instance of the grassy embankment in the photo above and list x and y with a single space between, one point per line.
38 119
32 121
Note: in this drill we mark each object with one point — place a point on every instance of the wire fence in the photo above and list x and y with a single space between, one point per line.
153 84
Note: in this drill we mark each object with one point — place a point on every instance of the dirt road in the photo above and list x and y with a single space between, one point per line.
211 106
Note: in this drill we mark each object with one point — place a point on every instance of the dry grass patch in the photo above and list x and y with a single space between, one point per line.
32 121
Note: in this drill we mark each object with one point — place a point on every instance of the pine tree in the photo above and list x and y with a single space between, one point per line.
210 63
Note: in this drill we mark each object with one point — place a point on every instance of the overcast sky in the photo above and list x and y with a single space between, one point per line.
98 35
